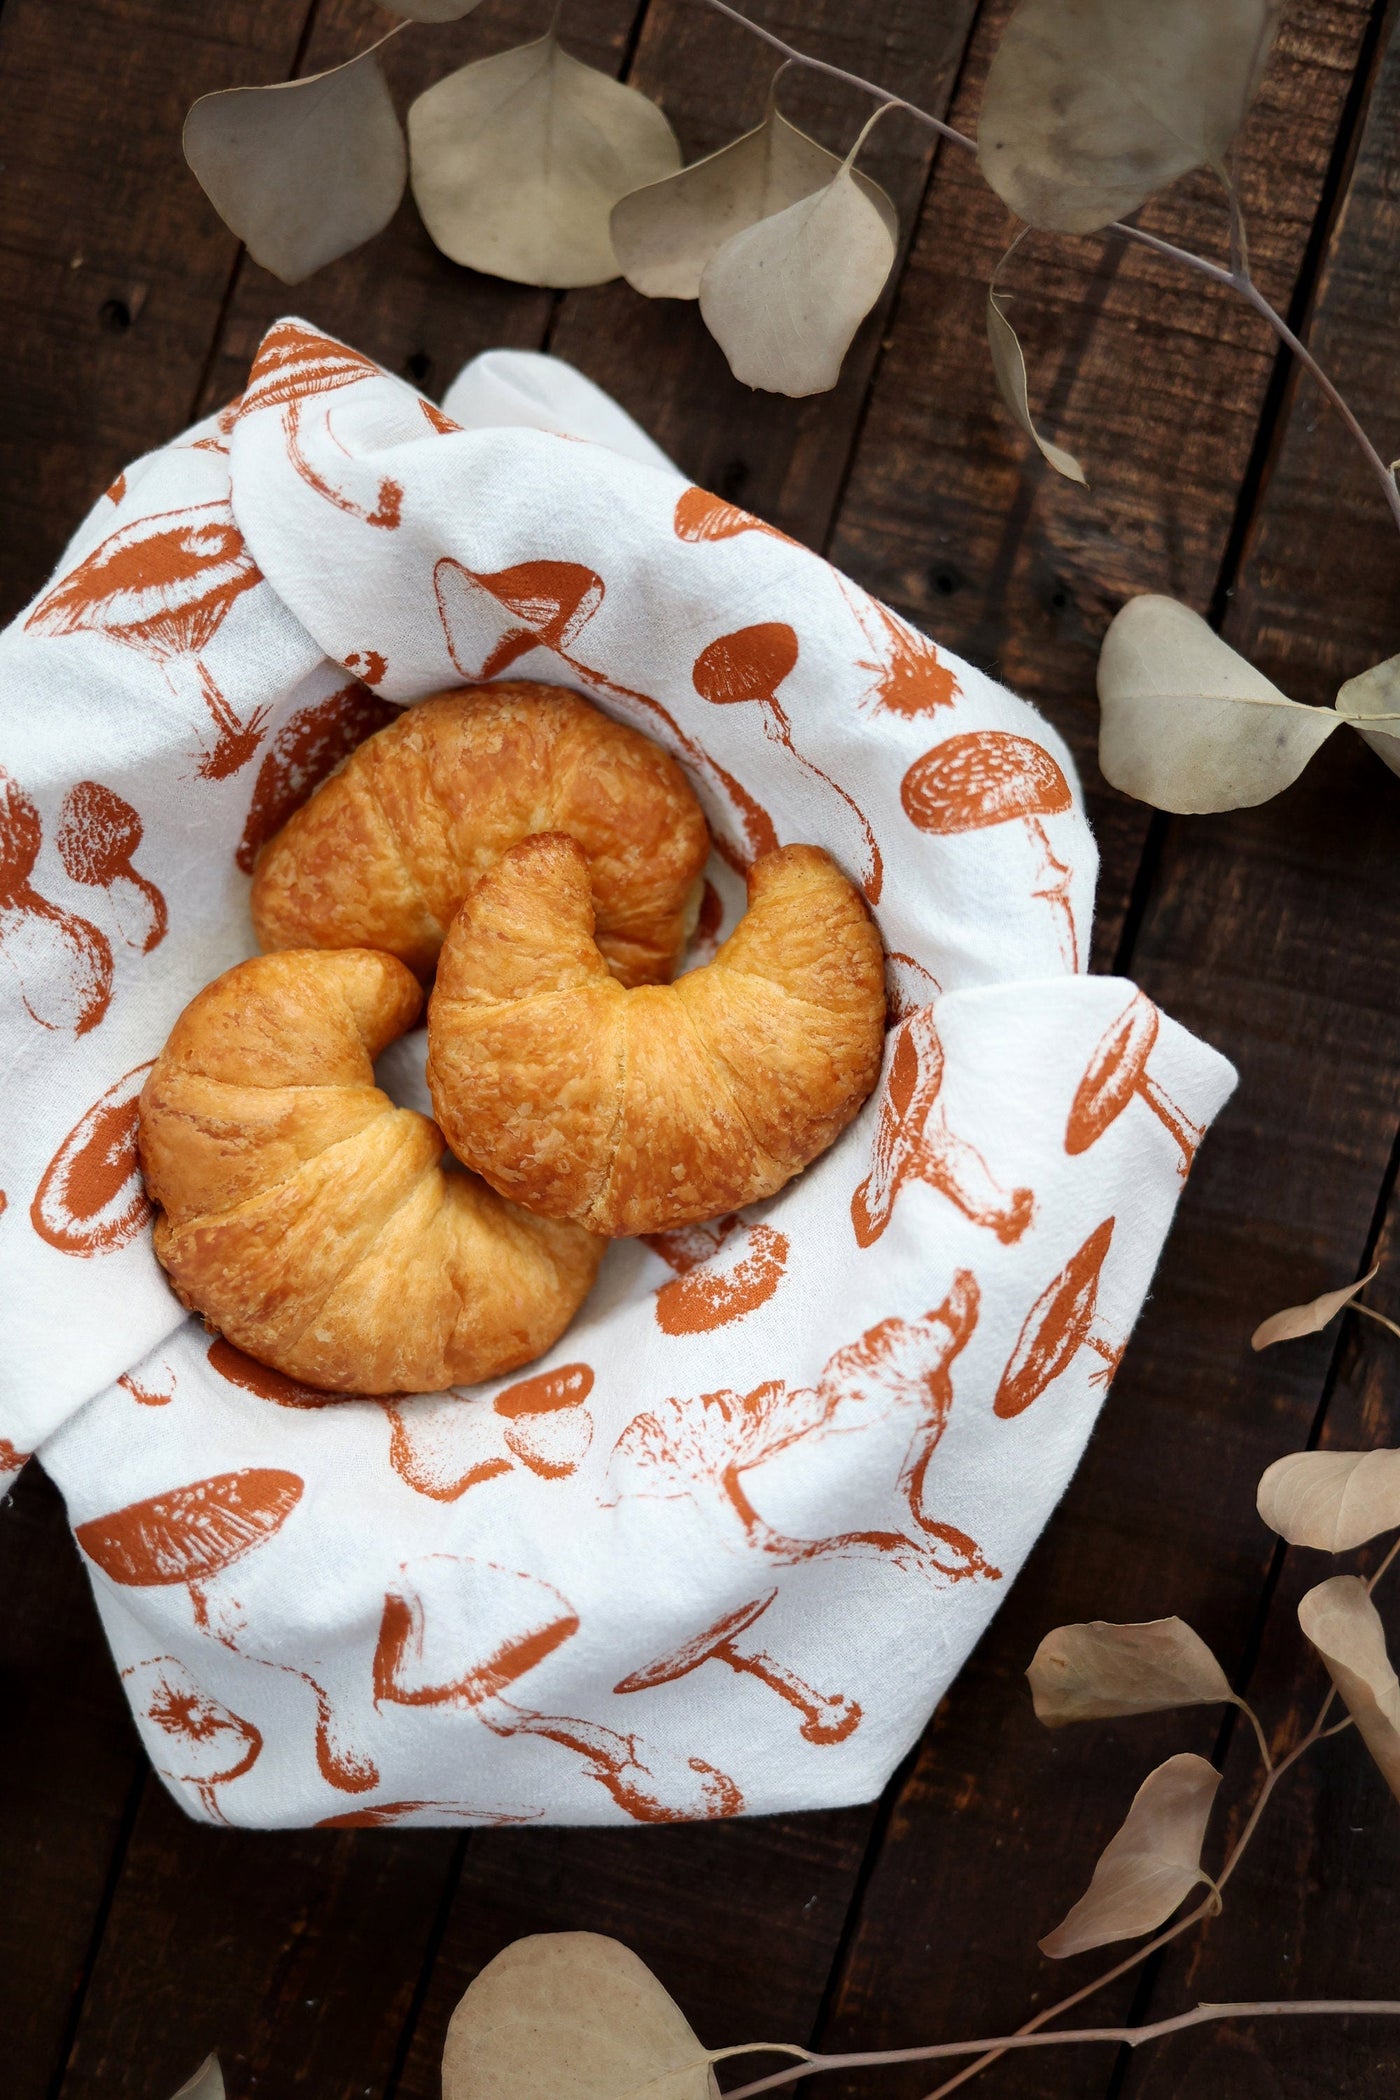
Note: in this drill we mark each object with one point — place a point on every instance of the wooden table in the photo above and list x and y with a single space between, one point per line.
325 1964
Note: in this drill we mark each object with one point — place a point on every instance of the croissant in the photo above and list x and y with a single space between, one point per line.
309 1219
636 1111
386 849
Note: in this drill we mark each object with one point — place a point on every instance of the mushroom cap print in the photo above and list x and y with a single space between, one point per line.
826 1718
193 1739
1056 1327
92 1198
191 1533
98 833
1116 1073
63 964
456 1632
161 585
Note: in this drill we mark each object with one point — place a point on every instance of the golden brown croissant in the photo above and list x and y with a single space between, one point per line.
309 1219
635 1111
386 849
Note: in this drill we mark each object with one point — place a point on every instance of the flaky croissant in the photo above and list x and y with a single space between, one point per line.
309 1219
386 849
635 1111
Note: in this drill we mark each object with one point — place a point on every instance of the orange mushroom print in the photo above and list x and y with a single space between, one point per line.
193 1739
304 750
163 586
152 1389
295 365
711 1450
1057 1327
826 1717
384 1815
92 1199
914 1143
12 1459
909 677
699 517
649 1784
750 665
1117 1074
441 1448
98 833
986 777
63 966
707 1294
240 1370
191 1534
457 1632
908 985
551 603
547 1423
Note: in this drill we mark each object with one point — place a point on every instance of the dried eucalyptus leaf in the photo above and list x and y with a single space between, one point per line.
1009 370
1091 105
571 2016
1331 1499
1371 703
1152 1862
1344 1626
1187 724
519 159
1094 1671
784 298
302 171
665 234
1297 1320
207 2083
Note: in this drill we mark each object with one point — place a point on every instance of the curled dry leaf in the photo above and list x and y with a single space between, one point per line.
1331 1499
1344 1626
665 234
1186 724
1009 369
571 2016
207 2083
1091 105
784 298
1094 1671
1297 1320
1371 703
302 171
1151 1863
518 160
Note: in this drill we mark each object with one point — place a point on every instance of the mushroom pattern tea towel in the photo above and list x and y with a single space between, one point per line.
723 1548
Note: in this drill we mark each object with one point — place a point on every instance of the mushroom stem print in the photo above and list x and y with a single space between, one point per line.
826 1717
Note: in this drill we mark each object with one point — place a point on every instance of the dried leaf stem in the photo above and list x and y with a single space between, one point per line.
1236 278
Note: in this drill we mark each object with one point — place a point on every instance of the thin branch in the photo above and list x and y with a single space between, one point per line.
1372 1314
1133 2037
1257 1725
1236 279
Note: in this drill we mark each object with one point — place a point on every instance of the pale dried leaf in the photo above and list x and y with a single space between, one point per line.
1371 703
1151 1863
1344 1626
1187 724
1009 369
1093 1671
207 2083
1331 1499
302 171
571 2016
665 234
519 159
1297 1320
784 298
1091 105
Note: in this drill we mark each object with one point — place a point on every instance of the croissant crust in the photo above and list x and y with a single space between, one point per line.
311 1220
636 1111
386 849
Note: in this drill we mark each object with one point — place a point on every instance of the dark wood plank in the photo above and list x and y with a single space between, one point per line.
112 268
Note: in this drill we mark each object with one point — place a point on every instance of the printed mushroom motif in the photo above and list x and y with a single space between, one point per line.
457 1632
699 517
98 833
64 965
383 1815
92 1199
1057 1327
703 1295
304 750
909 676
649 1784
191 1534
551 603
443 1447
986 777
914 1143
749 665
826 1717
163 586
295 364
1116 1075
548 1426
192 1739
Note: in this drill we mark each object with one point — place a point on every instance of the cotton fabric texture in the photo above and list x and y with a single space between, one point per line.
722 1550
